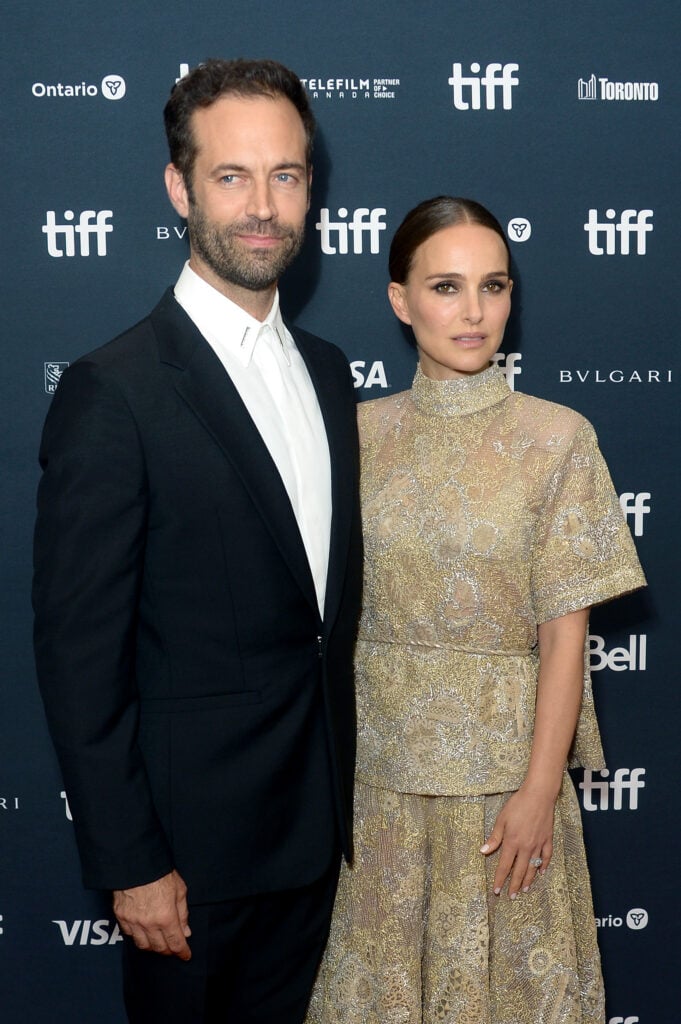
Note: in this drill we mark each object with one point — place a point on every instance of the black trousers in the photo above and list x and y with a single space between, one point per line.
253 961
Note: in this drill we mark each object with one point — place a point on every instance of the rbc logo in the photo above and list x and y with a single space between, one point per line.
631 222
89 223
508 362
53 372
626 780
635 505
496 76
619 659
363 221
374 378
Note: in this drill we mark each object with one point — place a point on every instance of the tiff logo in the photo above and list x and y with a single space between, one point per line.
89 223
635 505
363 222
508 362
631 222
496 76
626 780
67 808
623 1020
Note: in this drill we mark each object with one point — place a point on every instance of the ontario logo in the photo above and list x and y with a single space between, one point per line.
519 229
53 372
111 87
636 919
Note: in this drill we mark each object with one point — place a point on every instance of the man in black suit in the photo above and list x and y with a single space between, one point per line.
197 585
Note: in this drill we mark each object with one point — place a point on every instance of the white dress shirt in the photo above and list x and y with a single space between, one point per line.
270 375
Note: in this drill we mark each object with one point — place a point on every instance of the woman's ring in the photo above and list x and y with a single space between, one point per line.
536 862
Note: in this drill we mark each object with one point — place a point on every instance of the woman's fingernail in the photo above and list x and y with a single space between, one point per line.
485 848
526 888
513 895
497 891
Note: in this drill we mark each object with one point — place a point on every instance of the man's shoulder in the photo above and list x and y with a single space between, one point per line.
136 343
319 346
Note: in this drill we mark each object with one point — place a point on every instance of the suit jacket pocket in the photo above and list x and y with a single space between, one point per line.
215 702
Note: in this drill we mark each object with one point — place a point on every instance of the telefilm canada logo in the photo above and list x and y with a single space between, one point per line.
473 90
111 87
597 88
351 87
53 372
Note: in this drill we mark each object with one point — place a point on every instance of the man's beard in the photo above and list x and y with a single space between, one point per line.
220 247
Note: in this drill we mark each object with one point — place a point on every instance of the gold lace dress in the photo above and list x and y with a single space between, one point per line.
486 512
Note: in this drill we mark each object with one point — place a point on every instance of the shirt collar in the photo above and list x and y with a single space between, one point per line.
225 324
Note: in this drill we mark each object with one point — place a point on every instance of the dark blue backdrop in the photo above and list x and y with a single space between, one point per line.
563 118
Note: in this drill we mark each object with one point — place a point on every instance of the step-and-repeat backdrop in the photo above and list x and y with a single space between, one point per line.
563 118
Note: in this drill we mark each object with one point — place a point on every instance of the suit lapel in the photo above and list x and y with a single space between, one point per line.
209 392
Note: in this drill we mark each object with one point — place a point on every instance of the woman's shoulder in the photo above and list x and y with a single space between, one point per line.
380 414
540 417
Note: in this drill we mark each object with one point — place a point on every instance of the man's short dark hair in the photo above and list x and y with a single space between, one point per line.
214 79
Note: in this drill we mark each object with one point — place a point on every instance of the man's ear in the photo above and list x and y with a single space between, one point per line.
177 190
398 301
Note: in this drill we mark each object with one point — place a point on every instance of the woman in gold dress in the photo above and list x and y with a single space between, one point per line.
491 526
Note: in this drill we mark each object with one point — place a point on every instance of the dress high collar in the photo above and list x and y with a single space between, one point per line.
460 396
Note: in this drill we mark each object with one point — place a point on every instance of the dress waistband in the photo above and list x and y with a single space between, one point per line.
454 648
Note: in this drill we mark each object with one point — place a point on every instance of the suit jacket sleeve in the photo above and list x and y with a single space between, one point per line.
89 560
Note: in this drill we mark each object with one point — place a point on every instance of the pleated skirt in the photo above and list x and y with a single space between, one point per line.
419 937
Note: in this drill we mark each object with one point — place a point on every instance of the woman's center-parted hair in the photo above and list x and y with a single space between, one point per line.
429 217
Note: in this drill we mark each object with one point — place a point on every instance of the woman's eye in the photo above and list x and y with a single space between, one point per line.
445 288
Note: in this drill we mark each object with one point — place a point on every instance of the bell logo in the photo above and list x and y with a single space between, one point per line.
90 222
631 222
374 378
363 222
468 89
508 362
625 780
634 505
619 659
89 933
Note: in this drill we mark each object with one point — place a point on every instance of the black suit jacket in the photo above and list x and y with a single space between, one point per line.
201 709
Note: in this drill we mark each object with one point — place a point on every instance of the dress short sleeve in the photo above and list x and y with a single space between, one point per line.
583 552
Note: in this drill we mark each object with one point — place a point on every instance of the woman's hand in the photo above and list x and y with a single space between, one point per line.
524 832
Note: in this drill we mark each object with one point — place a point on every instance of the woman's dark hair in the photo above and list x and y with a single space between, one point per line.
427 219
214 79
